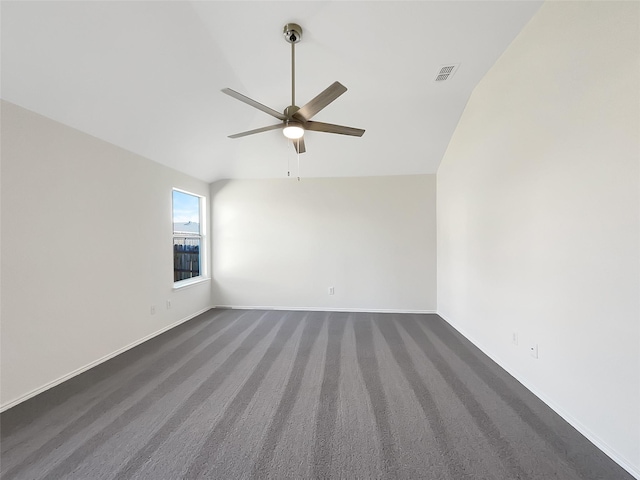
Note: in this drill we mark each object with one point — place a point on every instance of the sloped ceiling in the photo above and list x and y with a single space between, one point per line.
147 76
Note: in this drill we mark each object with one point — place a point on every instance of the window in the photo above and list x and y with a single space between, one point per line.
188 236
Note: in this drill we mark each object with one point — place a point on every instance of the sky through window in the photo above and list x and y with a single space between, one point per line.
186 208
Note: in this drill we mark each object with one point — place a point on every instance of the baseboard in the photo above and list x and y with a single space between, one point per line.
322 309
83 369
592 437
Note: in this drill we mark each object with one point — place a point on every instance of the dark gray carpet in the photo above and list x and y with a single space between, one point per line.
269 394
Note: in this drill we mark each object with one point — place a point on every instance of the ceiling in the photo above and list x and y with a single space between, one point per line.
146 76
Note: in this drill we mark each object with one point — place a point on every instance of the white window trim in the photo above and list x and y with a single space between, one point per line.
190 282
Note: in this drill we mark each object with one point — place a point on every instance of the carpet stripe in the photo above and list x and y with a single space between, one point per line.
446 447
203 460
173 381
328 401
124 393
266 323
503 449
310 334
365 352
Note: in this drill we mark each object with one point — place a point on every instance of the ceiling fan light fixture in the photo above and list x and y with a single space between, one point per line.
293 130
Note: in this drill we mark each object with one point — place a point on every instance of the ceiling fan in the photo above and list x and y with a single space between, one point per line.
294 121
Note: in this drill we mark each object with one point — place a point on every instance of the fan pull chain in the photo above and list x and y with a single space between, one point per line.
298 159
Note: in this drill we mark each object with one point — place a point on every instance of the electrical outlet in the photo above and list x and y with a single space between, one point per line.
514 338
153 309
533 350
331 291
168 304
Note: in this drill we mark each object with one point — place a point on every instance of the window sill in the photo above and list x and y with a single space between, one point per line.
190 283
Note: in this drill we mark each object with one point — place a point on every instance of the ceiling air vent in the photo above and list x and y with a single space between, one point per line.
446 71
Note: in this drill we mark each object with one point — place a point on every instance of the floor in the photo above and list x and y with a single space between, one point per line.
287 394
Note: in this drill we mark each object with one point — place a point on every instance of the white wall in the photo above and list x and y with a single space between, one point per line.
538 217
282 243
86 251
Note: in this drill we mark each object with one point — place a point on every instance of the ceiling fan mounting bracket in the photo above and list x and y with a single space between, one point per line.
292 32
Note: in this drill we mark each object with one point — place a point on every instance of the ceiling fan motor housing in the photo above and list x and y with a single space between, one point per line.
290 110
292 32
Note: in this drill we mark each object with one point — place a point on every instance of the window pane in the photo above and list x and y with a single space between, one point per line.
186 213
186 258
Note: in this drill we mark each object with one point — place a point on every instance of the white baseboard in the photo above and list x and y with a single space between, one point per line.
322 309
592 437
90 365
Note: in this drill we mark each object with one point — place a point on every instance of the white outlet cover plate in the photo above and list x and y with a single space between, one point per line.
534 351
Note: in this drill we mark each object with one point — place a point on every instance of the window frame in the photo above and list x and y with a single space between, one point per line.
202 236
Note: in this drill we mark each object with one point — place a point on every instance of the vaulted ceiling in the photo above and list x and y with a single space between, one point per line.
146 76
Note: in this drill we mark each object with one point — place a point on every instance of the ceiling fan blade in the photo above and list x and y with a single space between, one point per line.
332 128
257 130
253 103
320 101
298 144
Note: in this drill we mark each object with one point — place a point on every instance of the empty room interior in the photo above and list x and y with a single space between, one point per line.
369 239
